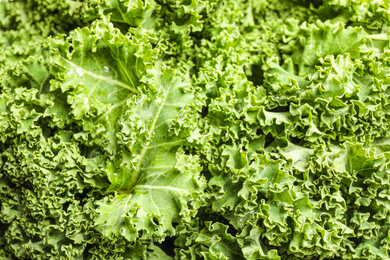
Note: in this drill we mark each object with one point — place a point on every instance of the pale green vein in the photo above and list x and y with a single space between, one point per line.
43 83
167 188
135 176
154 203
112 108
157 167
125 71
162 123
108 80
177 105
166 143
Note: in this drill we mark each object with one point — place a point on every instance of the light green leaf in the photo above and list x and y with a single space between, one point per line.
156 182
100 69
159 200
221 244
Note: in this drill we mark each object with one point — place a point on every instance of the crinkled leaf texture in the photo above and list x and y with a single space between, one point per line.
157 184
137 113
99 68
100 155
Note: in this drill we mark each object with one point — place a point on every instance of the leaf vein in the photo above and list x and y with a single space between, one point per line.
151 187
108 80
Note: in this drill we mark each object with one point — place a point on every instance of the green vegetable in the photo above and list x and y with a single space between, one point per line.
197 129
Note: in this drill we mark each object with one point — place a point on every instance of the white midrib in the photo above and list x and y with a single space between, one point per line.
111 81
135 175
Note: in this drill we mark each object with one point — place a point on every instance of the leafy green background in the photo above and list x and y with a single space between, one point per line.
238 129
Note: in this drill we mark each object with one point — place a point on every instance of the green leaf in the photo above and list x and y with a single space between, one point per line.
166 196
135 13
100 69
156 182
220 244
146 131
323 39
253 247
